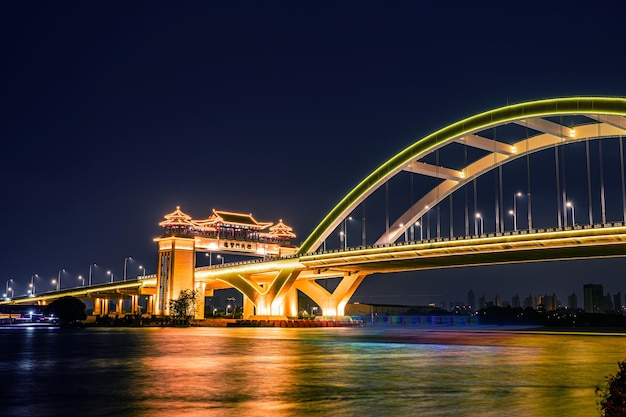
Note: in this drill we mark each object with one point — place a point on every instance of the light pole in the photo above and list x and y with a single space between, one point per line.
32 284
419 224
221 257
110 273
232 300
8 288
479 219
518 194
345 232
91 265
210 255
570 205
80 278
512 213
59 279
125 261
144 270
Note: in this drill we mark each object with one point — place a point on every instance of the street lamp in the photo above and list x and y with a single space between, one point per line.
91 265
344 234
144 270
32 284
419 224
221 257
80 278
479 219
8 288
518 194
110 273
59 279
210 255
125 261
232 300
570 205
512 213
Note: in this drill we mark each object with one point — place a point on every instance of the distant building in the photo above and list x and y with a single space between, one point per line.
471 301
515 302
550 302
496 301
608 303
358 309
617 302
529 302
482 302
572 301
593 298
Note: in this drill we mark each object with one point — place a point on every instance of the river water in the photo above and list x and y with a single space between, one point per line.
375 371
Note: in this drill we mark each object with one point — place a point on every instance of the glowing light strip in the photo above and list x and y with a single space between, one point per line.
482 121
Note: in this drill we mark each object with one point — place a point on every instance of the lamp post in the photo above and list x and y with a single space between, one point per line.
232 300
570 205
419 224
91 265
32 284
479 219
80 278
8 288
210 255
110 273
59 279
144 270
345 232
512 213
125 262
221 257
518 194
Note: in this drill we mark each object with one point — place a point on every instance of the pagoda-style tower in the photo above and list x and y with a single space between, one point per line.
176 261
223 231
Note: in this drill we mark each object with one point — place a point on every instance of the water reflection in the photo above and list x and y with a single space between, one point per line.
293 372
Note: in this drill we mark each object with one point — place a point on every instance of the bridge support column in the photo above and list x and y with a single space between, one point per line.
248 308
290 303
175 271
332 304
150 304
97 306
105 306
134 304
119 306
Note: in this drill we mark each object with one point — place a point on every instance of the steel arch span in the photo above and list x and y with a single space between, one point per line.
608 114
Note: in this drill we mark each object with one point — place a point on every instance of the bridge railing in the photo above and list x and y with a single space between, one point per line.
432 240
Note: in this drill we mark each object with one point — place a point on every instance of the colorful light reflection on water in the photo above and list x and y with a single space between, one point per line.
385 371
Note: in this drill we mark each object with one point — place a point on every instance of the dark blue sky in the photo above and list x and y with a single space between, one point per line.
116 112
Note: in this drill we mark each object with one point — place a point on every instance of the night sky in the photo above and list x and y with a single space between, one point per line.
116 112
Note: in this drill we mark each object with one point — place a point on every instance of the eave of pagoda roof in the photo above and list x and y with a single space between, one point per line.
229 217
176 218
281 229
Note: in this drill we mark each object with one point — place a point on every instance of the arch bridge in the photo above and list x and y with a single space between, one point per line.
448 161
444 172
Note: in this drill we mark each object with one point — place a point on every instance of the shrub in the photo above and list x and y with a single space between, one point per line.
612 401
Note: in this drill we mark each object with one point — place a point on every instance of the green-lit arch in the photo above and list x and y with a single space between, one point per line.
613 106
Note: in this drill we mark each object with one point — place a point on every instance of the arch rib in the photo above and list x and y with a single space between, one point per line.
604 106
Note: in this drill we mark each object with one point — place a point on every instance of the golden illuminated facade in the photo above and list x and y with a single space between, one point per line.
222 231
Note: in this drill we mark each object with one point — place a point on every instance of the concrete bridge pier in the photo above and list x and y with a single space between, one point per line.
332 304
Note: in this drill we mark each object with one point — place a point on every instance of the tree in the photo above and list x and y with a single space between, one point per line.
67 309
613 394
184 307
